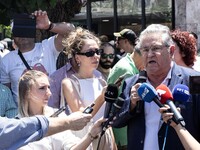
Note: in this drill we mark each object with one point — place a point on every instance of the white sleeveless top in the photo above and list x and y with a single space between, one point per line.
90 89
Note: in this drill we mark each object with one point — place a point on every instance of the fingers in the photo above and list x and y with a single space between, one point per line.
134 95
39 13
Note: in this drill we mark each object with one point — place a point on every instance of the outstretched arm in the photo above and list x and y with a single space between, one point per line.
188 141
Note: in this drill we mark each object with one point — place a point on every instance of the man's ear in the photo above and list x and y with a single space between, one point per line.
171 50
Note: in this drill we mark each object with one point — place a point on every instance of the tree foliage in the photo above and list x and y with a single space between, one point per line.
58 10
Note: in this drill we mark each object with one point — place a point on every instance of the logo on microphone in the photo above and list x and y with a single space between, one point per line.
145 92
183 91
160 92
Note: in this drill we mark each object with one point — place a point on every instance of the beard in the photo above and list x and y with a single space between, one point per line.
105 64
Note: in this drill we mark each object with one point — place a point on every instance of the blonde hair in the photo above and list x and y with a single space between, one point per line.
25 84
76 40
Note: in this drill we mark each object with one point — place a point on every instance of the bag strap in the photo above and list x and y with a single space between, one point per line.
24 61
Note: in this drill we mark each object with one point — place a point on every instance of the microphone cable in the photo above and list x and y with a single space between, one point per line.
165 137
99 140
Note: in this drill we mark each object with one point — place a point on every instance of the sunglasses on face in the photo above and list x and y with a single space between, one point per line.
104 56
91 52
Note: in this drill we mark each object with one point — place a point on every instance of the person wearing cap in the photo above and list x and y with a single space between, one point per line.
39 56
3 49
127 66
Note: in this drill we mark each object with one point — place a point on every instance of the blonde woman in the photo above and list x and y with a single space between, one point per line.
34 93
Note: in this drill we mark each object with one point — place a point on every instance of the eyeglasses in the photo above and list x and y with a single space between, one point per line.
91 52
154 49
104 56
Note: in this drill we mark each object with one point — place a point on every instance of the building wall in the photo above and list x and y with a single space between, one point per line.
188 16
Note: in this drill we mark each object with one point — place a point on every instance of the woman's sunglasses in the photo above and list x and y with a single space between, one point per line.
91 52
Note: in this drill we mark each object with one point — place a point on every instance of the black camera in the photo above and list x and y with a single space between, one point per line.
24 25
194 84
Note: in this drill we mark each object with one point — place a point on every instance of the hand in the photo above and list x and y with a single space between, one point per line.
42 19
134 95
167 116
97 127
78 120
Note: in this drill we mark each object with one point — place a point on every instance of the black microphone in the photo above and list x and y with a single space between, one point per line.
114 110
141 79
110 95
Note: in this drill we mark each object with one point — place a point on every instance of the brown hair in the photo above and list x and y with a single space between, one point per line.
186 44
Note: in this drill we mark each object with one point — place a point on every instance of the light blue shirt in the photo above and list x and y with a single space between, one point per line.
8 107
15 133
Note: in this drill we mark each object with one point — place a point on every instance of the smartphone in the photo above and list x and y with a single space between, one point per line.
24 25
194 84
59 111
89 109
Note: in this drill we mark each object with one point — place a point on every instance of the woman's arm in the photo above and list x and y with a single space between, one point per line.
88 138
188 141
71 95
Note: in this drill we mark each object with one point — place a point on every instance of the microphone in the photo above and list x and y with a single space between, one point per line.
110 95
181 93
116 107
148 94
141 79
166 97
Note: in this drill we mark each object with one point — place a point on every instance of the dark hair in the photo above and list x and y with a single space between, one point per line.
186 45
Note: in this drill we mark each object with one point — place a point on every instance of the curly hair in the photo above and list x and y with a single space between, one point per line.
75 41
186 44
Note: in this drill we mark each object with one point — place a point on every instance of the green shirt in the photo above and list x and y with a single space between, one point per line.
125 66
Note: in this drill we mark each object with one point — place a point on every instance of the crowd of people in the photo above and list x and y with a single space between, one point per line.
34 90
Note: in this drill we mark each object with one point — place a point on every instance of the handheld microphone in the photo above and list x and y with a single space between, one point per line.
181 93
141 79
114 110
111 95
166 97
148 94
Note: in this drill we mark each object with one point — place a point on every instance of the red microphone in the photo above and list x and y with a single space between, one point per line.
167 98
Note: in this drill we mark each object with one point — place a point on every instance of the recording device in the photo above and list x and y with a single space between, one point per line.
24 25
181 93
148 94
59 111
111 95
89 109
141 79
167 98
114 110
194 84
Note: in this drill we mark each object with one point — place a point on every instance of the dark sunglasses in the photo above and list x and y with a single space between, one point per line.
104 56
91 52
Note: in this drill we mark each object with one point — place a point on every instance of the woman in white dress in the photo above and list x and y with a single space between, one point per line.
84 88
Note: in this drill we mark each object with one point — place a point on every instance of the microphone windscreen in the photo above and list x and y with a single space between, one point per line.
181 93
111 93
147 92
164 93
